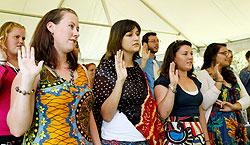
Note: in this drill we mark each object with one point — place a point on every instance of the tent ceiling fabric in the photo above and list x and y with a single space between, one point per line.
199 21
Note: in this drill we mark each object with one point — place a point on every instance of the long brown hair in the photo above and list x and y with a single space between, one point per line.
43 41
170 55
117 32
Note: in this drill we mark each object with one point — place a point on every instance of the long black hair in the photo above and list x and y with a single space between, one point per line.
210 59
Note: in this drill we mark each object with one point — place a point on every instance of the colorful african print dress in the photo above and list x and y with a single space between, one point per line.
227 128
59 117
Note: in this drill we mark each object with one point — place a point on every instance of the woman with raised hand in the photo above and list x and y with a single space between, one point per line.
12 39
124 108
224 98
177 92
52 103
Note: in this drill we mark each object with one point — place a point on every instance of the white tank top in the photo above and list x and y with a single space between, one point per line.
120 129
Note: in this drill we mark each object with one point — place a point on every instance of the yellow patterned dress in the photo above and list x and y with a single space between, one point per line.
59 117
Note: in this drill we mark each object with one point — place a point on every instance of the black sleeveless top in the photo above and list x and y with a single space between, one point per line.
184 104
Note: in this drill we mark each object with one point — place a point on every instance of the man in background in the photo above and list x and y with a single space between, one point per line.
148 62
245 79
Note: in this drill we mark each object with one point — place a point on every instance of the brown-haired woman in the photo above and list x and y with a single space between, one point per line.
91 68
52 104
224 98
124 108
12 38
179 99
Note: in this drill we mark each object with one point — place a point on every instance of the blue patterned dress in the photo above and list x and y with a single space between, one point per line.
227 128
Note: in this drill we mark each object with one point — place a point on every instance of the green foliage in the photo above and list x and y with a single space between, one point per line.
239 61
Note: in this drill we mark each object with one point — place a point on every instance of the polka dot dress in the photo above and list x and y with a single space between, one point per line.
134 90
136 100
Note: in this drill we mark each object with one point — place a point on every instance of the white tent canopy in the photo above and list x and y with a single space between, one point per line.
199 21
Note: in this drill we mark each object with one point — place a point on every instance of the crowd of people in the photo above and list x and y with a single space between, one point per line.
47 97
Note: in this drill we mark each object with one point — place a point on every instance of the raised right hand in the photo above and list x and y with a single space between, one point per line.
145 52
3 55
217 74
120 67
173 74
26 62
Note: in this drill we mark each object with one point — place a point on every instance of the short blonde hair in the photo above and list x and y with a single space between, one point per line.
6 29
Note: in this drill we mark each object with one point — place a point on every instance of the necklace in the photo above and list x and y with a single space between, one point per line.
16 70
71 81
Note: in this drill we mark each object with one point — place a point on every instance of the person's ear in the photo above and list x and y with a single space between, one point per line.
145 44
248 59
51 27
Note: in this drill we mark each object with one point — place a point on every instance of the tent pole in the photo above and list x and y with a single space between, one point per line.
60 4
81 22
20 13
166 21
106 11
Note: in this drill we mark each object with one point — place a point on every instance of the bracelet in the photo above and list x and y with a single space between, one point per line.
172 88
219 81
3 60
24 92
207 140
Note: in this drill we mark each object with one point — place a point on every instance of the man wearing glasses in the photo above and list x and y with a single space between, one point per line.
148 62
245 79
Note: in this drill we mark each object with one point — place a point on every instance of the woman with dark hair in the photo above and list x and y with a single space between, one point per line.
91 69
179 99
124 108
52 104
12 38
224 98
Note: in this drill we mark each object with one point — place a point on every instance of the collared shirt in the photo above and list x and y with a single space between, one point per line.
149 70
245 77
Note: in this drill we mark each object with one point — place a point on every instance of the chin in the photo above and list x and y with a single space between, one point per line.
70 49
136 50
156 50
189 68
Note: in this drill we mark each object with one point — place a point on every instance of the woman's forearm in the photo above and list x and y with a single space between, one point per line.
21 111
165 100
109 107
237 106
203 123
93 130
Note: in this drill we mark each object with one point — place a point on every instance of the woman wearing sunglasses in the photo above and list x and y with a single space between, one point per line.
223 98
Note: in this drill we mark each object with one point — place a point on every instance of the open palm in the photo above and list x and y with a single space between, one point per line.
26 62
145 52
173 74
120 68
218 75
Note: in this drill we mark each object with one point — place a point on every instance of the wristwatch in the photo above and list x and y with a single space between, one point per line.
172 88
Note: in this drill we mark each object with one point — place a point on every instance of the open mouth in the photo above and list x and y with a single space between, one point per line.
19 46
